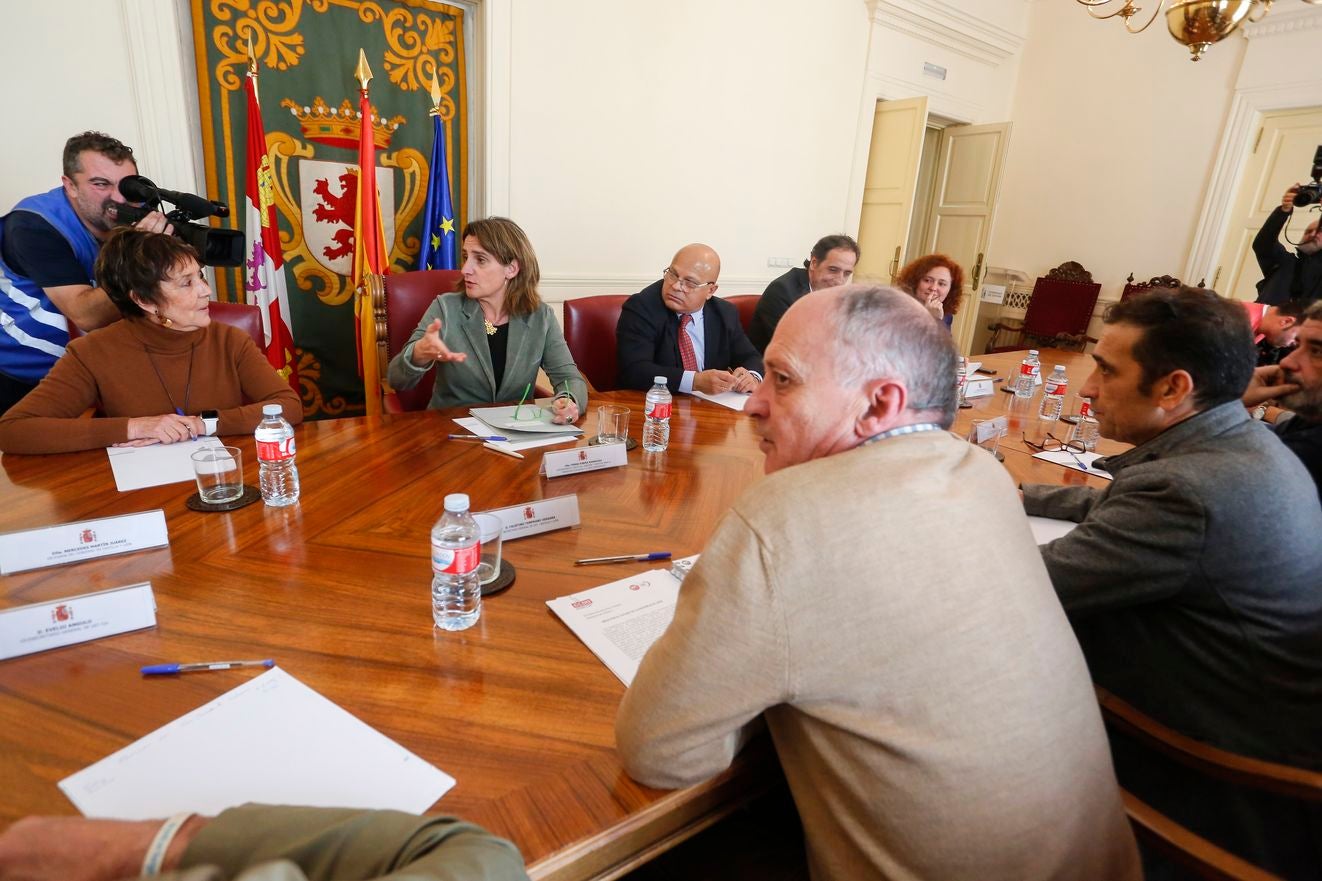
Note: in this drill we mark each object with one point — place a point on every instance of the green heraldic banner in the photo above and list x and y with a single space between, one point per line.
306 51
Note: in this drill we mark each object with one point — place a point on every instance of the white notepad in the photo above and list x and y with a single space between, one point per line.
733 400
156 465
272 740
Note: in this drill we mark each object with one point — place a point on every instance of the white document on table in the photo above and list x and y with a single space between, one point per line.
272 740
516 440
733 400
620 621
1075 461
156 465
1047 529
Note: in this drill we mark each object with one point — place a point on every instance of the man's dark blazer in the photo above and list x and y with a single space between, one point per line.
1280 265
776 299
647 340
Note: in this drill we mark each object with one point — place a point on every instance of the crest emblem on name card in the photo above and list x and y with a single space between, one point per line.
62 612
87 536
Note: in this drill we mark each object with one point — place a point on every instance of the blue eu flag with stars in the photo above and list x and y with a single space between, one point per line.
438 230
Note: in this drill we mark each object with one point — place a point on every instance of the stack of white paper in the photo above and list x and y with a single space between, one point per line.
620 621
517 440
733 400
155 465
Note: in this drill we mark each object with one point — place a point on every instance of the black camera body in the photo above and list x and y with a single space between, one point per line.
1310 194
217 247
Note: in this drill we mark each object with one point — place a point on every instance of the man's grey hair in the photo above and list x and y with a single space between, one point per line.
882 332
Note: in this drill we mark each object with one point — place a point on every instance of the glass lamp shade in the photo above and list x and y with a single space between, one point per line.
1200 23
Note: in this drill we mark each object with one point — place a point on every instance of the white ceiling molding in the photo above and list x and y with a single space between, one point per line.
939 102
1284 21
949 27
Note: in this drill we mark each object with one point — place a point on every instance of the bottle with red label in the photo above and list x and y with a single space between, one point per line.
277 473
1086 427
456 590
656 417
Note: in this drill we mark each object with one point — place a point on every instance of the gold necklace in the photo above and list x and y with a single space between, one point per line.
491 328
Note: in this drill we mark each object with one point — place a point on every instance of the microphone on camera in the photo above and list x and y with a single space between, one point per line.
137 188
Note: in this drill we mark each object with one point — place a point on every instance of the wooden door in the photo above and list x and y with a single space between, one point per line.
888 189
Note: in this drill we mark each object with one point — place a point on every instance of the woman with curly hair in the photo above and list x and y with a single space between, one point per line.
937 282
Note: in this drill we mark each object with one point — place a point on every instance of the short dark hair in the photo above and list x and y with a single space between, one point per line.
1195 330
98 142
1292 308
827 244
133 261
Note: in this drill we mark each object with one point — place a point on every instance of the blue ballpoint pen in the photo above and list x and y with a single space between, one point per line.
170 669
476 437
625 558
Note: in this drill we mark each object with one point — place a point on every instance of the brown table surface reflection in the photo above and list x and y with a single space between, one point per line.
336 590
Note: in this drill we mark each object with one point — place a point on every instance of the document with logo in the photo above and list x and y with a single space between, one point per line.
156 465
619 621
272 740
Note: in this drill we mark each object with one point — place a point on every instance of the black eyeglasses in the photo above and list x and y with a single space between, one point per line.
1053 443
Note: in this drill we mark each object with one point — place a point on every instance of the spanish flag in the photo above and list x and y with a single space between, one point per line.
369 252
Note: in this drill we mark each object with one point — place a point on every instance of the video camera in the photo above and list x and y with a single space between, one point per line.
1310 193
218 247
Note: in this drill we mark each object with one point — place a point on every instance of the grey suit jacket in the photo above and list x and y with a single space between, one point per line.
1195 584
535 341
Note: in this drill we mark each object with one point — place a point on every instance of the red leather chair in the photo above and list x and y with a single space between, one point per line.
1256 311
398 302
246 318
746 304
590 333
1058 313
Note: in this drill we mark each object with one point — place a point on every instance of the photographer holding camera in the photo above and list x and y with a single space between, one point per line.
48 245
1287 276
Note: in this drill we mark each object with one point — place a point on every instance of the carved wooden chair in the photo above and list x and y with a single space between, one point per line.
1133 289
398 303
1191 851
1058 313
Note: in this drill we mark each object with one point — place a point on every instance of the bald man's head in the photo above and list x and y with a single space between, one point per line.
690 278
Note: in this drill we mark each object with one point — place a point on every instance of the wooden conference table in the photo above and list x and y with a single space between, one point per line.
336 590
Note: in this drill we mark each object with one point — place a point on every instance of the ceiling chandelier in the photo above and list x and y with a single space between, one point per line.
1195 23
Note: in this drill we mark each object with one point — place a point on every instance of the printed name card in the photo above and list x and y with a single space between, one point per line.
979 386
84 540
990 428
580 459
41 626
547 515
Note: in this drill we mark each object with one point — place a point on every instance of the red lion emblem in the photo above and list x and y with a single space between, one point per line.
338 209
61 612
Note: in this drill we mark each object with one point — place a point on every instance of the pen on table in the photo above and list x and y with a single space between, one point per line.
494 437
497 449
169 669
625 558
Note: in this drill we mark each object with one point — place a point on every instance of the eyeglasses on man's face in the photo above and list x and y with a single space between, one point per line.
685 284
1052 443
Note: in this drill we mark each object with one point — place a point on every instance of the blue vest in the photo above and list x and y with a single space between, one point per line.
33 332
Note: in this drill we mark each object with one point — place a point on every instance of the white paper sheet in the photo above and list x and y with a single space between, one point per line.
156 465
503 419
1047 529
1075 461
518 440
619 621
733 400
271 740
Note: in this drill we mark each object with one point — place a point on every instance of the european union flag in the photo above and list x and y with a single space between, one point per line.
438 232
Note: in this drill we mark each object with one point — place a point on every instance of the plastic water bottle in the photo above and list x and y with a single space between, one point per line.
962 382
1086 430
275 458
1053 395
656 416
1029 370
456 591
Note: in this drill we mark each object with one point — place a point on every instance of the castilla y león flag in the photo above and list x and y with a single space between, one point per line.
264 276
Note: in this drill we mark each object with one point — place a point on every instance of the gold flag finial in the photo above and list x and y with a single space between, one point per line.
252 57
362 73
435 96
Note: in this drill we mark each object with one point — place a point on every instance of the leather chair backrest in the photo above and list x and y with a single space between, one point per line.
407 296
246 318
746 304
590 333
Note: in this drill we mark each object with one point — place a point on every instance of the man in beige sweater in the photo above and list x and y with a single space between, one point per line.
880 602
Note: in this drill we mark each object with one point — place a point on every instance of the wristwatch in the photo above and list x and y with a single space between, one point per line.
1259 412
210 419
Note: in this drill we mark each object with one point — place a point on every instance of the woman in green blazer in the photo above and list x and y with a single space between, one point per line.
487 341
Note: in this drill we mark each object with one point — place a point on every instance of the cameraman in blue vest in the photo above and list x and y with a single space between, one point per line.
48 245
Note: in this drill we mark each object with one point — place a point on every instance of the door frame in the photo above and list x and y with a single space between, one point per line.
1246 113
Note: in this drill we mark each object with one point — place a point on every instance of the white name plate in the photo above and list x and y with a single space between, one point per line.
989 428
979 386
42 626
533 518
84 540
580 459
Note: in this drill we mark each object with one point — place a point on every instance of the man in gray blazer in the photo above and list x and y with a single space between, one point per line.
1194 580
